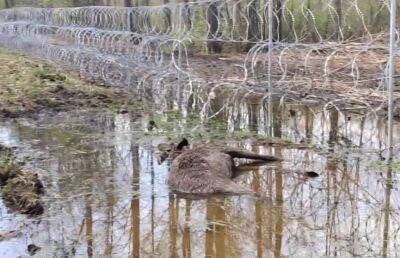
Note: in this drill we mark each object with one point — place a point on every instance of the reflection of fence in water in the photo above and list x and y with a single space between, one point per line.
347 193
348 197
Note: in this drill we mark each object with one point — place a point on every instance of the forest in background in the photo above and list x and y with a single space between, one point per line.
355 18
76 3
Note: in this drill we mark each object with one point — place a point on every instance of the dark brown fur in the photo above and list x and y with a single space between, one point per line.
208 169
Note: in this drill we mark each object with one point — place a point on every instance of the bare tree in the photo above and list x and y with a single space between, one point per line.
254 30
212 19
167 12
128 3
279 16
334 123
277 120
186 13
98 2
9 3
338 7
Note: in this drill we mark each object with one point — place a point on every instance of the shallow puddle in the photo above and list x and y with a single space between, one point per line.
106 193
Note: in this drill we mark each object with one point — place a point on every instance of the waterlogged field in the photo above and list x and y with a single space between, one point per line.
106 193
94 146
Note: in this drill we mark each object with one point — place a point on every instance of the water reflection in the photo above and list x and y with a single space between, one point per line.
106 193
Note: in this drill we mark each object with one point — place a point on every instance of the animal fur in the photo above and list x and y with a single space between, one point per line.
208 169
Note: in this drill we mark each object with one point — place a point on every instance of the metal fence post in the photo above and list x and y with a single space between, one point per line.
270 38
391 74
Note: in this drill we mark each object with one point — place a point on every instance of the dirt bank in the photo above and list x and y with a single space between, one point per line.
28 86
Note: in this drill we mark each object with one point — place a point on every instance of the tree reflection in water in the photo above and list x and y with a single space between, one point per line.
110 197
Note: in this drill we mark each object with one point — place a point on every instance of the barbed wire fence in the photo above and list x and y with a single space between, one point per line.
308 51
301 50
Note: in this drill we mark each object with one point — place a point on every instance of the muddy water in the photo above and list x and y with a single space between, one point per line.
106 193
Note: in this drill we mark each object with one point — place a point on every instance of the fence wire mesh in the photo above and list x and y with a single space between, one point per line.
334 51
330 51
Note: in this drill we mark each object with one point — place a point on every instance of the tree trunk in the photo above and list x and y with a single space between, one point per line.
9 3
277 120
334 126
254 31
186 16
167 12
338 6
212 19
128 3
279 13
98 2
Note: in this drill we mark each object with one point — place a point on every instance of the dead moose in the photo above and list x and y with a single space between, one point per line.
207 169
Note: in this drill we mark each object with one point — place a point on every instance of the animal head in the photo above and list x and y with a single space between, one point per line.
171 151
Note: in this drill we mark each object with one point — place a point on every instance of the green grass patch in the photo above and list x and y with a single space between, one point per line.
28 86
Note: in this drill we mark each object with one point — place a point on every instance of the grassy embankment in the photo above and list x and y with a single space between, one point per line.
28 86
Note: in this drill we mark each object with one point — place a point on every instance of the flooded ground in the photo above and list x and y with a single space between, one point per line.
106 193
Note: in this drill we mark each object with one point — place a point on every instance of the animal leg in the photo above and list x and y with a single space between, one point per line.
235 153
244 168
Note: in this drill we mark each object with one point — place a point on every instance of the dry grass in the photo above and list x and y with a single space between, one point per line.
21 190
343 75
22 193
